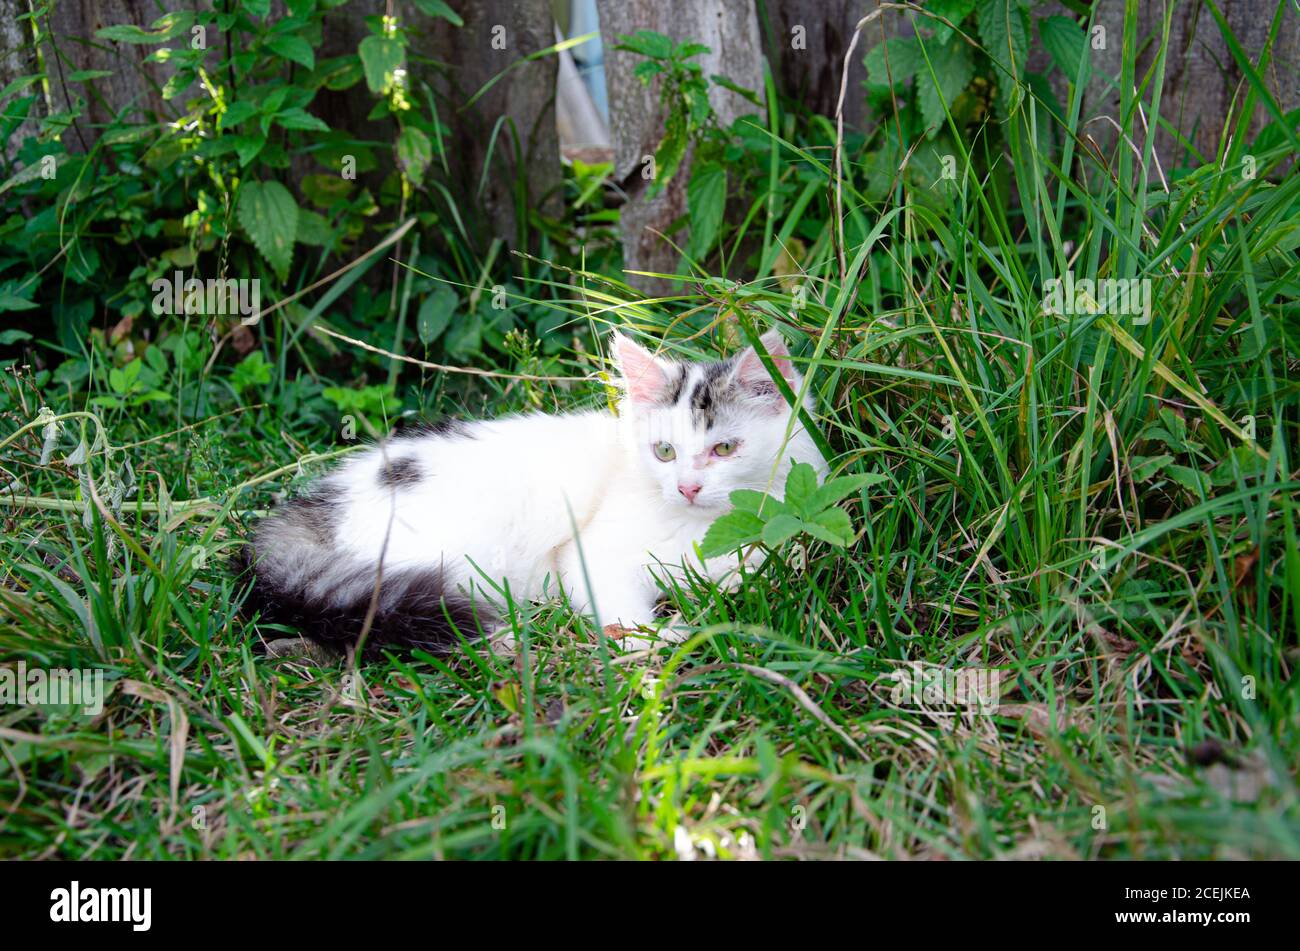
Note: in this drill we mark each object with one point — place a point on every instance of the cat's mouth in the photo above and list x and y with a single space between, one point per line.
698 504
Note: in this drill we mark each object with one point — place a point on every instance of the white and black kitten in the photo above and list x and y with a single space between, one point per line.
450 518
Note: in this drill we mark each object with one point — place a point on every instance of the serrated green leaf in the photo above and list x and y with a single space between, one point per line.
671 150
781 528
1193 480
1142 468
647 43
706 200
800 487
904 59
833 490
269 215
1065 42
953 65
751 500
731 531
293 48
954 11
833 526
1005 34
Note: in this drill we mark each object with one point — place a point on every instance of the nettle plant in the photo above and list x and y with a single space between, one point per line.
806 509
690 121
965 70
243 181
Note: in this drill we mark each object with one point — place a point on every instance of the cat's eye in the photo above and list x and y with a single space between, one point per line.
665 452
724 448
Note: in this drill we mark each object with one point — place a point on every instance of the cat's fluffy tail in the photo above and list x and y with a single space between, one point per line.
301 581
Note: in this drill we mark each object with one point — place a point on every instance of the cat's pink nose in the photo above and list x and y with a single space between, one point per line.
689 490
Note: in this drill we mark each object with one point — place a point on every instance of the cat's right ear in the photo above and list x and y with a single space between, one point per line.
643 376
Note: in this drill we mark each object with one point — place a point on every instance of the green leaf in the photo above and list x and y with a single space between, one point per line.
86 75
1143 468
269 215
833 490
15 297
954 11
647 43
706 199
314 229
647 69
252 371
800 487
904 55
1240 462
780 529
435 314
293 48
953 65
165 28
381 56
1193 480
1002 27
751 500
247 147
414 152
730 532
436 8
832 525
672 148
299 118
1065 42
235 113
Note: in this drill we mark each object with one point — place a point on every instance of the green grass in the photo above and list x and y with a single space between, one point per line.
1103 511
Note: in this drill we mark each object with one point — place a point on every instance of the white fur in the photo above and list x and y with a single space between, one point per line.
580 501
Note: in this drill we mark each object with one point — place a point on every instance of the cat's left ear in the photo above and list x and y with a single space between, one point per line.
643 375
753 376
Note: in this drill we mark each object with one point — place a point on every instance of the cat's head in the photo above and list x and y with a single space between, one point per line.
702 430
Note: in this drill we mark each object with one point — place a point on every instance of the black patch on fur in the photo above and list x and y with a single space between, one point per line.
702 405
676 384
314 512
709 392
399 473
441 427
413 611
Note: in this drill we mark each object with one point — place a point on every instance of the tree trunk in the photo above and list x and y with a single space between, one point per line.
730 29
17 59
806 42
69 44
1201 77
496 36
